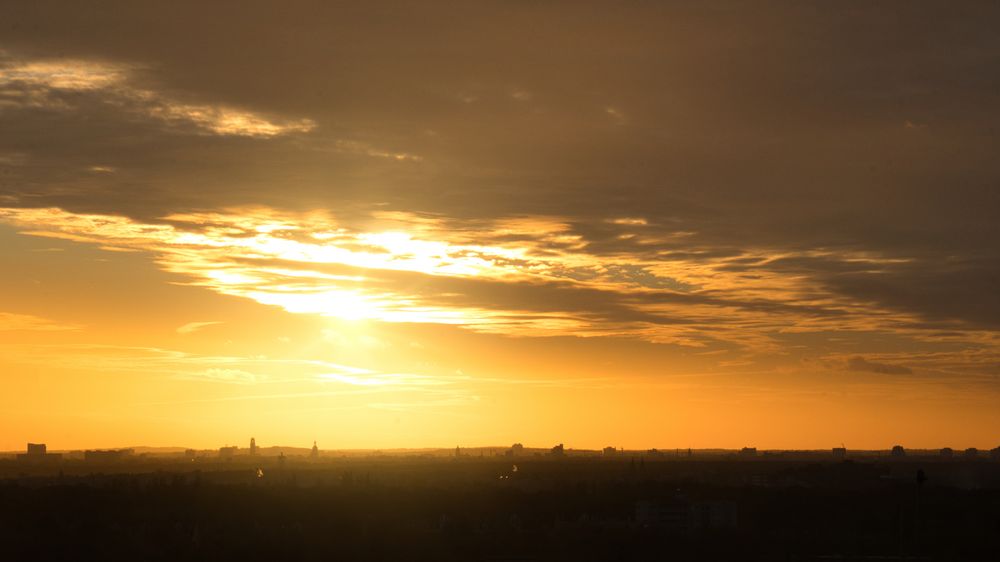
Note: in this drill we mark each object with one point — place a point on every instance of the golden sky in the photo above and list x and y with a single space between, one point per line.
425 225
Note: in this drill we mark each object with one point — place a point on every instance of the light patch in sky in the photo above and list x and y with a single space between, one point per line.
192 327
358 147
44 83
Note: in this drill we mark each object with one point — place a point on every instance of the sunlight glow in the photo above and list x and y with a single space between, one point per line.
432 270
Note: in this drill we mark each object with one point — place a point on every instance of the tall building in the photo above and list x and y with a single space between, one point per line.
37 452
315 451
253 446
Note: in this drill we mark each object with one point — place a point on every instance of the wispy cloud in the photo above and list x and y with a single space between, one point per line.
27 322
222 375
192 327
234 369
385 379
45 83
864 365
359 147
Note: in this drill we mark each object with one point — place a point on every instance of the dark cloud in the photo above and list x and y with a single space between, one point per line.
950 291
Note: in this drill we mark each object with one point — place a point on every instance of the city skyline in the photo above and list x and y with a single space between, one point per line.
517 450
396 225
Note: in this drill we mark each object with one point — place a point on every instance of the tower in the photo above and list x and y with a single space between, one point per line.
253 446
315 451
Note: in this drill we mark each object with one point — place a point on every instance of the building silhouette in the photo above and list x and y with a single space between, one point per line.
897 452
557 451
110 455
839 452
748 452
315 451
253 446
38 452
610 452
227 452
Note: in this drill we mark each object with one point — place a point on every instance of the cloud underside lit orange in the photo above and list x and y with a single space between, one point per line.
523 276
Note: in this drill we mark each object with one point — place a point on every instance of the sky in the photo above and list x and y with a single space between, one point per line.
430 224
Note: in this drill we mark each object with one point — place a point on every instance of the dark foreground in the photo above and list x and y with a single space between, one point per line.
481 509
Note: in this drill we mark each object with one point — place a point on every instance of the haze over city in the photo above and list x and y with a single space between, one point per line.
395 225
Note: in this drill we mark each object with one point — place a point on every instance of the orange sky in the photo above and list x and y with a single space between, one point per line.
665 227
